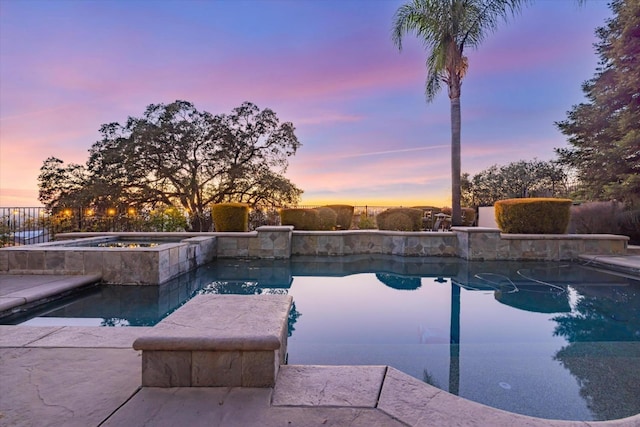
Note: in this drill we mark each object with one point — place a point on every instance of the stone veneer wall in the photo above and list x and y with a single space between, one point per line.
476 243
472 243
159 264
264 242
374 242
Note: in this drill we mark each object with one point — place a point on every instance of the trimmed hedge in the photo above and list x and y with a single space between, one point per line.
533 216
344 215
327 218
230 216
400 219
301 219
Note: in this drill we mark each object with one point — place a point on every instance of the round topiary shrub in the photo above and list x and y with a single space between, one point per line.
400 219
327 218
301 219
344 215
230 217
533 216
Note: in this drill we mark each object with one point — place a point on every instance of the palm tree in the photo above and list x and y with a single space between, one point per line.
446 27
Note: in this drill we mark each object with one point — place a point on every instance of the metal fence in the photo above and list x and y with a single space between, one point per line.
24 226
30 225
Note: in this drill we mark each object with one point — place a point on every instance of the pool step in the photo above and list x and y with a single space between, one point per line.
218 341
20 292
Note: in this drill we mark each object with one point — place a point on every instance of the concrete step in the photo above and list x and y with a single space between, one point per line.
633 250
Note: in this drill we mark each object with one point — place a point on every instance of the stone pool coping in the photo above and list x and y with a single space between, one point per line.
91 376
629 264
24 291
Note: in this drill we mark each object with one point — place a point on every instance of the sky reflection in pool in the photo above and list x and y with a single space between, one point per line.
565 345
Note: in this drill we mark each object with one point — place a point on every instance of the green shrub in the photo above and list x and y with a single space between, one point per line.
400 219
163 219
327 218
230 217
344 215
301 219
366 222
533 216
5 232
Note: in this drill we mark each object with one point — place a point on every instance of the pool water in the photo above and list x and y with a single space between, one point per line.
551 340
122 243
127 244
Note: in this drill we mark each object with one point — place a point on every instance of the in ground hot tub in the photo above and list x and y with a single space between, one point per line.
133 260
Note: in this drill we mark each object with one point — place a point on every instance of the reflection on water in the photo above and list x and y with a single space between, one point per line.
603 331
399 282
544 339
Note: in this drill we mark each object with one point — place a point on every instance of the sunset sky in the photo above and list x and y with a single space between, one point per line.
329 66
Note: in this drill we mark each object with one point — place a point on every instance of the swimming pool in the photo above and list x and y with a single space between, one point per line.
551 340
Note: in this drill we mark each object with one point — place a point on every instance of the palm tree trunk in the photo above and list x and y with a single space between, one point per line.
456 217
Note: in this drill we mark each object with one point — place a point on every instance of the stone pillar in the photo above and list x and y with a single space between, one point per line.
272 242
478 243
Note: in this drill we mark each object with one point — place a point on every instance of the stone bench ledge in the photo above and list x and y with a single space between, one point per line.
470 230
278 228
218 341
372 232
508 236
204 343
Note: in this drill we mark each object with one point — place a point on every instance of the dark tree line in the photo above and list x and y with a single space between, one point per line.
175 155
533 178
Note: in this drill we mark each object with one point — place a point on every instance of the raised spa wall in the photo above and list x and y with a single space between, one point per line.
142 265
186 251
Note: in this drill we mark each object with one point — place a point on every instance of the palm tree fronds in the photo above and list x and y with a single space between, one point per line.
484 16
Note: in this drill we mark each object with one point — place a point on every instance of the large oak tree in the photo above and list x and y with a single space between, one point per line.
176 155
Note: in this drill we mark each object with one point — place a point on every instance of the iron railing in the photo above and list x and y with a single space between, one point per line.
30 225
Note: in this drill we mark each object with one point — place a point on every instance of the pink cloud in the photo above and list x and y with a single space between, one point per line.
327 118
